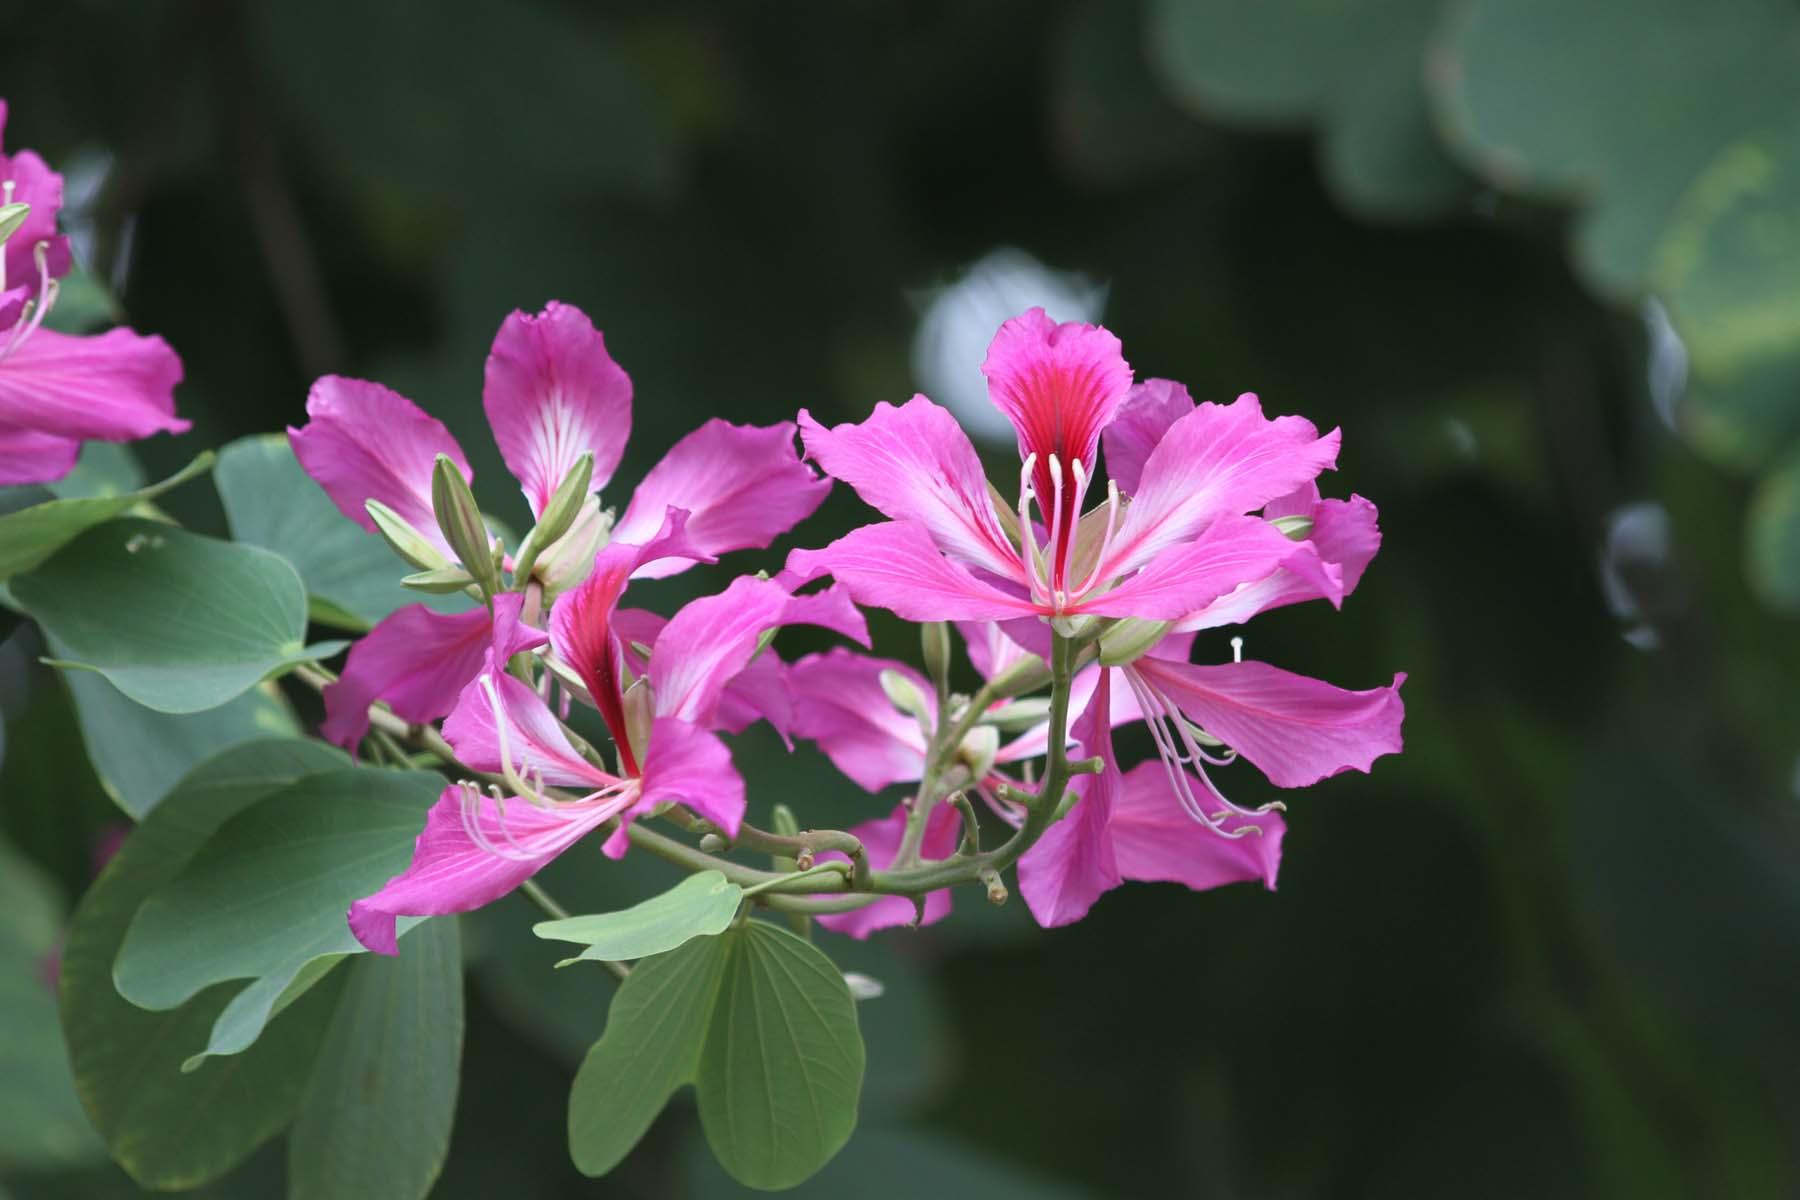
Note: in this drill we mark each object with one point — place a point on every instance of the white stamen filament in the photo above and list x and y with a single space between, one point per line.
35 310
1168 727
1058 598
1028 547
1106 539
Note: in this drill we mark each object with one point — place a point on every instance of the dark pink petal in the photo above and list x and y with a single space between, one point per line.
1155 841
1297 730
914 463
840 704
452 873
1345 536
881 841
685 765
991 651
27 456
1217 460
1059 385
894 565
711 640
114 386
1072 865
363 442
1035 741
581 630
417 660
498 720
758 692
742 486
34 183
1149 409
1186 577
552 394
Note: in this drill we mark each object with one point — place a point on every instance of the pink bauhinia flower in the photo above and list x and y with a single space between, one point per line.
477 847
58 390
552 393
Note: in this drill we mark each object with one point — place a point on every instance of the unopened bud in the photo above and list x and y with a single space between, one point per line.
934 644
1018 714
403 539
979 749
564 506
440 582
713 843
1296 526
459 517
563 564
12 216
906 695
784 822
1130 640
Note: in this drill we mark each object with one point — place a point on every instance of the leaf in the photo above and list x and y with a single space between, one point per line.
377 1117
703 903
140 753
178 622
351 577
783 1065
170 1130
1775 537
762 1024
103 469
264 898
30 535
41 1122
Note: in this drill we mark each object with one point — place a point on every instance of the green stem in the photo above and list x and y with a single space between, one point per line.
797 877
538 896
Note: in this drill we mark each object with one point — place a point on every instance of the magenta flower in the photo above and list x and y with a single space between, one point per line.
476 847
1162 551
57 390
552 393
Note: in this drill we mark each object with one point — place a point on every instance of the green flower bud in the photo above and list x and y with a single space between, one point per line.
906 696
440 582
1130 640
560 513
934 641
403 539
570 559
1296 526
459 517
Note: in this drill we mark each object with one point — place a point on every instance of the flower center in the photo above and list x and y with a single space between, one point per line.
1054 569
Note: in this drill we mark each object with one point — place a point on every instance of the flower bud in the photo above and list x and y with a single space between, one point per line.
1130 640
1295 526
12 216
403 539
440 582
570 559
560 513
978 750
1019 715
934 642
906 696
459 517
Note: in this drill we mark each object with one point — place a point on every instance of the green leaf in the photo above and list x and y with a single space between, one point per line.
265 897
177 622
41 1122
103 469
167 1129
783 1065
377 1117
703 903
762 1024
352 578
1775 538
30 535
140 753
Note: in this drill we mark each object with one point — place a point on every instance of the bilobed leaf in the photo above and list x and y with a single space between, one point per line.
32 534
782 1070
177 622
352 578
167 1129
703 903
264 898
377 1117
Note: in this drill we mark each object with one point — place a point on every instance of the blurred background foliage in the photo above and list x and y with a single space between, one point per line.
1540 260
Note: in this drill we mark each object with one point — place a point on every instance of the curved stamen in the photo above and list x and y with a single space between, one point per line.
35 310
1163 721
1058 552
1028 547
1106 540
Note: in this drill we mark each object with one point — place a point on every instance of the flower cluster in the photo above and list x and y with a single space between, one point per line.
59 390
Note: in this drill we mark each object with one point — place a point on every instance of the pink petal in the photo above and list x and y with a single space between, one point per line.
1297 730
741 485
581 630
1149 409
452 873
685 765
363 442
1059 385
1072 865
840 704
758 692
523 732
417 660
1185 577
1035 742
34 183
27 456
711 640
553 393
1155 841
914 463
894 565
114 386
1217 460
881 841
1345 536
991 651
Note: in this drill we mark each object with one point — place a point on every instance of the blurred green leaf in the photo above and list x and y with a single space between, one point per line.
169 1129
376 1121
703 903
31 534
1775 537
177 622
103 469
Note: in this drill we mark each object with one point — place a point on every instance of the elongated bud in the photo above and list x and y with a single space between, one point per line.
403 539
1019 714
978 750
564 563
460 519
440 582
1130 640
560 513
12 216
784 822
934 643
640 714
1296 526
906 696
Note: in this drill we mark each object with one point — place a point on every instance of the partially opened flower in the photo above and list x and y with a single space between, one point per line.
58 390
478 846
555 399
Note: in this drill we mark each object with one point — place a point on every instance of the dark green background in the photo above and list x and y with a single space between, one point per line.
1552 950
